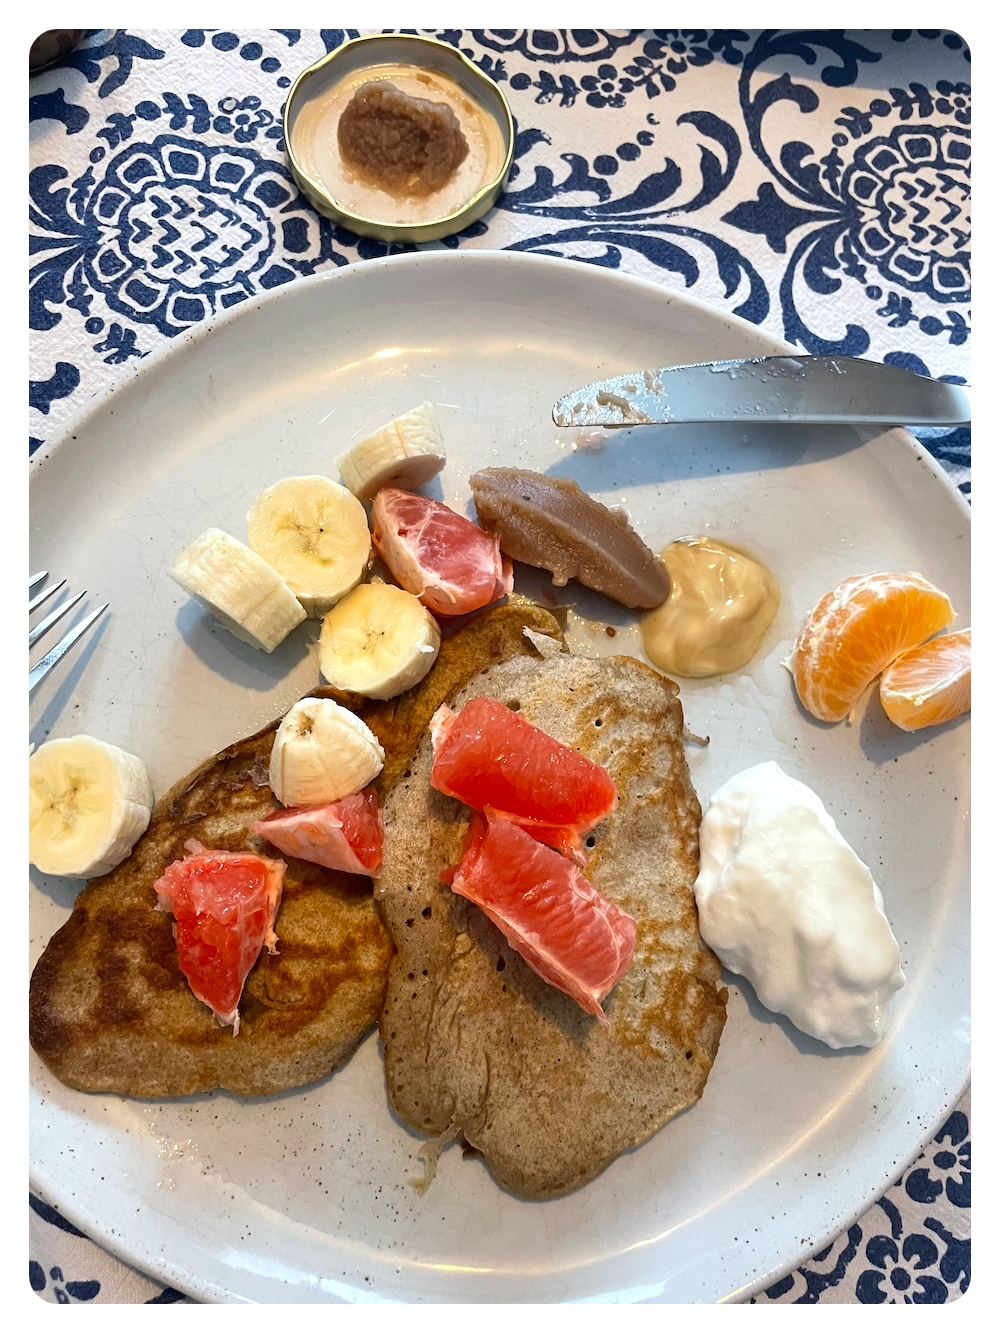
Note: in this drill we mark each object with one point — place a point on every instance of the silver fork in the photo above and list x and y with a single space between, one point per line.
42 668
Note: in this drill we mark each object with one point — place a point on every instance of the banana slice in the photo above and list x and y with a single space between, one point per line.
240 589
378 641
321 753
315 534
89 802
405 453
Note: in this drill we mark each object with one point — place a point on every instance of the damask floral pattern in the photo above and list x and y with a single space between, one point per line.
895 210
81 1273
172 232
813 182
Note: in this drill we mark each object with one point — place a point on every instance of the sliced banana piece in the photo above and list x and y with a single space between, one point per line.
240 589
405 453
378 641
88 804
315 534
322 752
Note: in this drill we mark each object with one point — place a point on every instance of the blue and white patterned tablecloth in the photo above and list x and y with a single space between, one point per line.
814 182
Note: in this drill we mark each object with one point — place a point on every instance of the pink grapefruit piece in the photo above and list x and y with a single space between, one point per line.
442 557
344 835
491 757
224 905
564 929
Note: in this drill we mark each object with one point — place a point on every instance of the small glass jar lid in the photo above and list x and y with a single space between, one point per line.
420 68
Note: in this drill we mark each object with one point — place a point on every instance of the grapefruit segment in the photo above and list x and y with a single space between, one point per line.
442 557
487 755
560 836
224 905
563 928
344 835
929 684
855 631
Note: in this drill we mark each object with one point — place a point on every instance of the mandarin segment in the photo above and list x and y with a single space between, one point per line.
929 684
855 631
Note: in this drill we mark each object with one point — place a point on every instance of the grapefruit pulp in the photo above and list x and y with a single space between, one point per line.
224 905
489 756
440 556
563 928
344 835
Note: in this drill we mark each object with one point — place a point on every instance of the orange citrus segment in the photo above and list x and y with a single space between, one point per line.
929 684
855 631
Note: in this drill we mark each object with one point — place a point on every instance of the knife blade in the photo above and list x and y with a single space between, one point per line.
822 389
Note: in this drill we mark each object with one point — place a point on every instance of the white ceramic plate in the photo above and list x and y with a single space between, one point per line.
304 1197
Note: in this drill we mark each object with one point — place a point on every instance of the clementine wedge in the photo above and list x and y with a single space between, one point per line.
855 631
929 684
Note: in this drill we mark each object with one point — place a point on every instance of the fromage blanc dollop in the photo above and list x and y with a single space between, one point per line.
784 901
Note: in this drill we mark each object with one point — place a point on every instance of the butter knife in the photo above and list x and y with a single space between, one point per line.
825 389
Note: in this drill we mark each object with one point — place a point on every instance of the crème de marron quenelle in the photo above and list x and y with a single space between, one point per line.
549 522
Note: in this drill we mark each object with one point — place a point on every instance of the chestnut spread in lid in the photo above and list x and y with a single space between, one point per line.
405 145
355 189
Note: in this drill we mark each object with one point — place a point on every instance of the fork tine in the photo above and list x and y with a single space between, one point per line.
37 578
43 668
49 621
37 601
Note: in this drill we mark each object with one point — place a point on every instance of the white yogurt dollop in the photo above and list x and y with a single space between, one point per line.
785 902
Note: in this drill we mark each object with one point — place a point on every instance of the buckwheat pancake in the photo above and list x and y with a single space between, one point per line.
110 1010
475 1042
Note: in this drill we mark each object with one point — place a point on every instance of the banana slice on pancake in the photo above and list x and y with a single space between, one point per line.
321 753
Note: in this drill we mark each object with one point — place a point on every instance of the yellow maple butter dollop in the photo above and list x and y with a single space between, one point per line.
720 606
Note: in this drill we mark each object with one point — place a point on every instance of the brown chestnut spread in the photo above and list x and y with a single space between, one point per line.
405 145
551 523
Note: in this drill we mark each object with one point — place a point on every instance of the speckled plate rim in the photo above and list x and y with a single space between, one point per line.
741 1294
150 364
153 366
